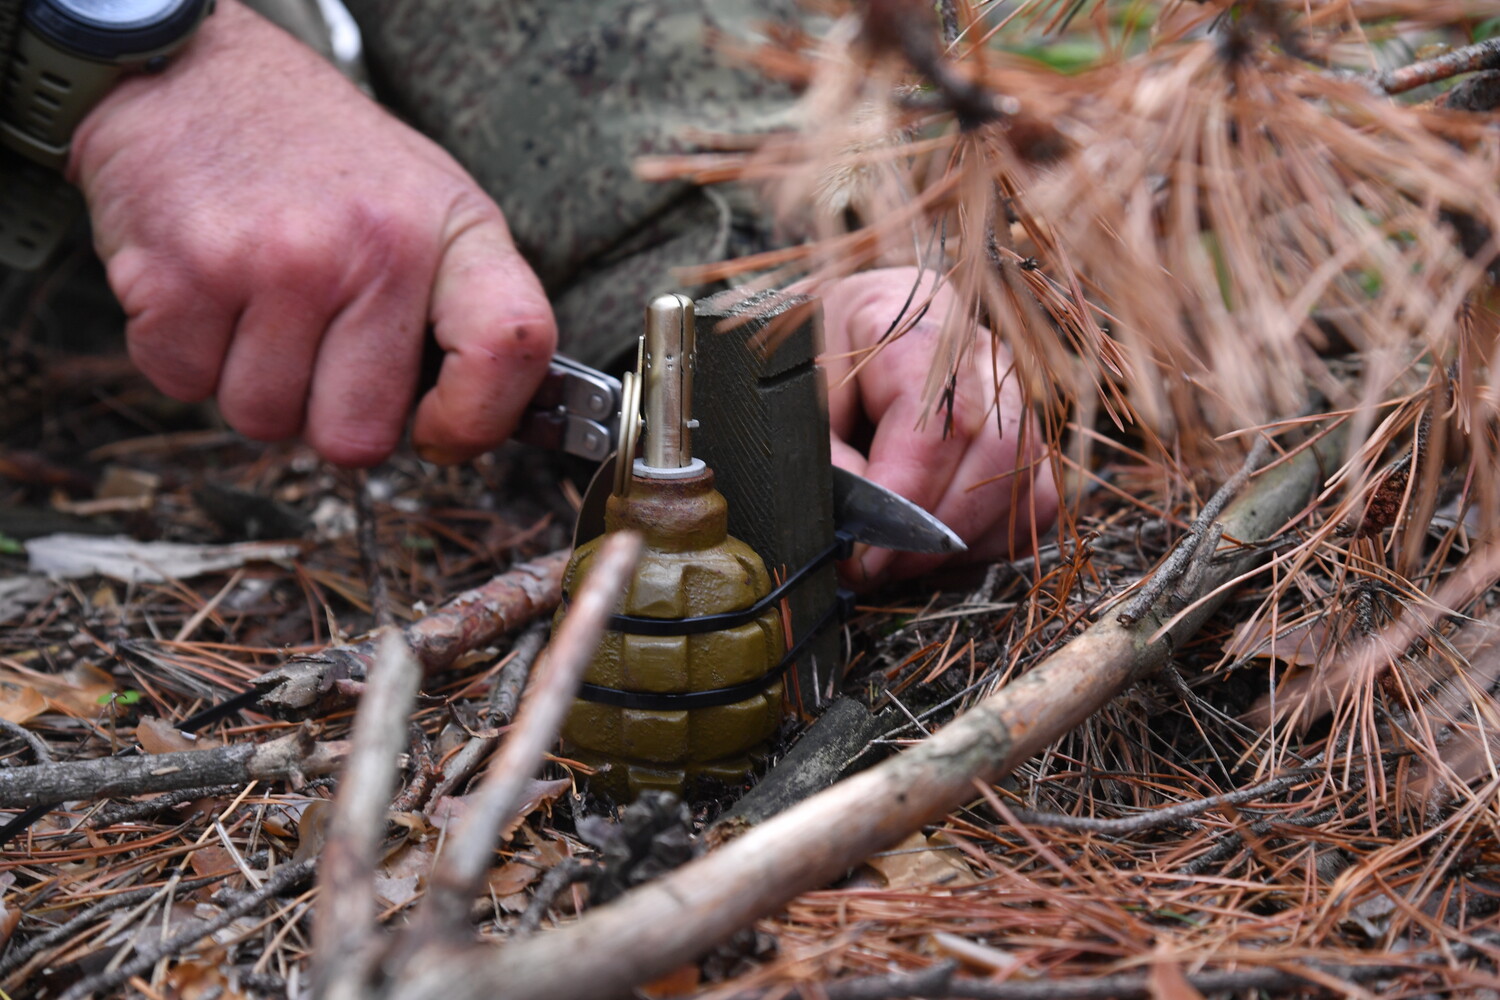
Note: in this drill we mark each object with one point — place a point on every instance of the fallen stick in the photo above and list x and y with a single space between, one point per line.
659 926
292 757
316 683
458 873
344 922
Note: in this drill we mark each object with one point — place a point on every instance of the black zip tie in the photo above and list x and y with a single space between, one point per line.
843 545
677 701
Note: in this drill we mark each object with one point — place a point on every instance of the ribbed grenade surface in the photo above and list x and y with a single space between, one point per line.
690 567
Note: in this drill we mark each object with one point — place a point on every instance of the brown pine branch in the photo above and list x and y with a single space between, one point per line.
1469 59
315 683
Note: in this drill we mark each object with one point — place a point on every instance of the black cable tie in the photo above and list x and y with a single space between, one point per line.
679 701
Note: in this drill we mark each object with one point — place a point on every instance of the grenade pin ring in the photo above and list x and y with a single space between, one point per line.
630 422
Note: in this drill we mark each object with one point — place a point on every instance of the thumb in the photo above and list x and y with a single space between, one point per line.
492 320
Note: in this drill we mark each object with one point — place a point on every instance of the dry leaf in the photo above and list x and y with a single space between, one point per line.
1299 644
312 830
678 983
1167 982
512 877
211 860
124 558
396 891
157 736
81 691
921 860
20 703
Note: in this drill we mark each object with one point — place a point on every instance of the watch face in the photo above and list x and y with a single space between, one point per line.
118 13
114 30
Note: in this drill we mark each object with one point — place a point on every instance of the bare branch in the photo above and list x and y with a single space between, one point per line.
344 928
290 758
664 923
455 878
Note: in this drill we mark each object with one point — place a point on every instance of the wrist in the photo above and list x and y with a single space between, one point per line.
68 55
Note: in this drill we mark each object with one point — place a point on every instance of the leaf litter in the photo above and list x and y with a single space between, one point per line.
1307 223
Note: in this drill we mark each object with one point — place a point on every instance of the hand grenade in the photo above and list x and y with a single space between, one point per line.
682 688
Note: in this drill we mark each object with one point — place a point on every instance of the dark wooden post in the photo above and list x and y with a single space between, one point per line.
763 428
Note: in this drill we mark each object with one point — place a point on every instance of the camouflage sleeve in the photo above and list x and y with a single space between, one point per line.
548 102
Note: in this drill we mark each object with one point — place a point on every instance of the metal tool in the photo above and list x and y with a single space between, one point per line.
578 408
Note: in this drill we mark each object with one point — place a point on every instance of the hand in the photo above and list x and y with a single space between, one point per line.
281 242
987 479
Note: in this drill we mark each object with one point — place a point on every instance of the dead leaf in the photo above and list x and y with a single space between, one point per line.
512 877
678 983
1167 982
312 830
211 860
10 916
19 703
396 892
81 691
68 556
449 809
922 860
1298 644
156 736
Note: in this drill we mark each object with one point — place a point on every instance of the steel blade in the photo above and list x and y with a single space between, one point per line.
879 517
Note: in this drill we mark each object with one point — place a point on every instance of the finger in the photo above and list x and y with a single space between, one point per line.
492 320
268 369
176 334
366 373
1000 490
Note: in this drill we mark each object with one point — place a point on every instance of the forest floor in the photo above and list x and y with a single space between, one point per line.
1175 844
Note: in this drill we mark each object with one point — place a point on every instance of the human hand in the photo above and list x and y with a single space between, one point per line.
988 480
281 242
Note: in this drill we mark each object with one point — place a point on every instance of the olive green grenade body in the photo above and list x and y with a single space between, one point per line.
690 567
668 706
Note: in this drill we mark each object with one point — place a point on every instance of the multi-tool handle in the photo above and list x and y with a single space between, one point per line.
575 410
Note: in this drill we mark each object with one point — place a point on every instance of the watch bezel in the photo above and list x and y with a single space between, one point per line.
68 31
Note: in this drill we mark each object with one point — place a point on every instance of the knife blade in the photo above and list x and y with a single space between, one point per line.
867 511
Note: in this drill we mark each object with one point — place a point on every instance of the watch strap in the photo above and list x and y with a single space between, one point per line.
37 211
48 93
10 22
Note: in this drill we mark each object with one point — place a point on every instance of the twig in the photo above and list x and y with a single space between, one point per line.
938 983
292 757
1483 55
19 954
565 873
127 812
38 748
369 552
1156 817
662 924
420 767
283 879
1197 538
504 697
344 923
310 683
456 875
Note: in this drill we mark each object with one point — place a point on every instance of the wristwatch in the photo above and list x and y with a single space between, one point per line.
66 56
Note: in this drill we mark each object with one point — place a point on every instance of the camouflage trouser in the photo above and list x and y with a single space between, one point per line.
548 103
